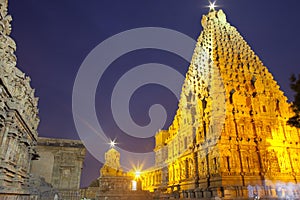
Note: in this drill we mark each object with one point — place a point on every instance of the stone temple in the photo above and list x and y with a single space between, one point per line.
229 137
31 168
115 184
18 117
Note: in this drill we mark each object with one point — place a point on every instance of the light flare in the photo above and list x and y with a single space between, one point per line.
112 143
137 170
212 5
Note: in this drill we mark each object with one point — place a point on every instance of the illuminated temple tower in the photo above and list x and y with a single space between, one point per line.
229 136
113 183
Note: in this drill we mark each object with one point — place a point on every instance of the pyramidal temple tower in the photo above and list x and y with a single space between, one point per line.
112 165
115 184
229 137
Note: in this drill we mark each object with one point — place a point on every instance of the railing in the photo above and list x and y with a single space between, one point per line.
69 194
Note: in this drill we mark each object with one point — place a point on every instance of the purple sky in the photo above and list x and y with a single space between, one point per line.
54 37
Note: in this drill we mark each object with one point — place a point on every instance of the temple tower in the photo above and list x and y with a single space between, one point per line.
229 137
18 117
112 165
114 184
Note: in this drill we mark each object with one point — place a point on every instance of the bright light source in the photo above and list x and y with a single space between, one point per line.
137 174
212 5
137 170
112 143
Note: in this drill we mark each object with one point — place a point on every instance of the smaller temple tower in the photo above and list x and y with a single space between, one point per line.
114 183
112 165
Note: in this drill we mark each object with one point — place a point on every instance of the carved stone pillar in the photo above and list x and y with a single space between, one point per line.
8 148
12 146
19 158
3 141
2 130
29 155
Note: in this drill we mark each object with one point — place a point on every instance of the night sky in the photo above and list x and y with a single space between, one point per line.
54 37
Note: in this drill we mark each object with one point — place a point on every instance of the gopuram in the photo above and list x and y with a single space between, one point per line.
229 138
18 118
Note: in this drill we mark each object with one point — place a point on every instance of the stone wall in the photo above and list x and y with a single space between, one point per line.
60 164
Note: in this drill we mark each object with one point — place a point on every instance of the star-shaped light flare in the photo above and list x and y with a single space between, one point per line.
212 5
112 143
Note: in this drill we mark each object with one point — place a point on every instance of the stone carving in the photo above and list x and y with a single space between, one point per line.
60 165
16 82
235 115
19 116
112 165
113 183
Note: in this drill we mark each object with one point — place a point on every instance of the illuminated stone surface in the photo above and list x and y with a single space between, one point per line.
229 133
112 165
113 183
18 118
